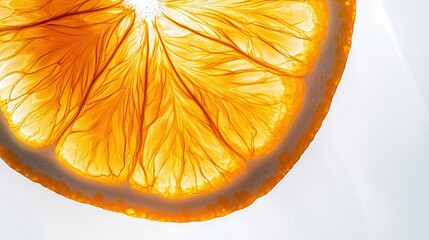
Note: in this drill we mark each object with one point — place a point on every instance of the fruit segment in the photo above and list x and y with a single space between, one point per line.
282 36
47 69
174 106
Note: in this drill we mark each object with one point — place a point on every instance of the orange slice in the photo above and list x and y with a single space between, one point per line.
167 110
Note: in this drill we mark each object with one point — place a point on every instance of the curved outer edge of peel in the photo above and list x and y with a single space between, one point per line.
261 176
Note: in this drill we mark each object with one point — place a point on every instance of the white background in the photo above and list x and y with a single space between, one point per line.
365 176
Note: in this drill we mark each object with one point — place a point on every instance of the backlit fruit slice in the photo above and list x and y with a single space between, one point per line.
167 110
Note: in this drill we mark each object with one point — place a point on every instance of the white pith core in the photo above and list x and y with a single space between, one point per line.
146 9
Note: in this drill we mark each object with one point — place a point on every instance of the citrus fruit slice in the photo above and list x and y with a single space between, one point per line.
162 109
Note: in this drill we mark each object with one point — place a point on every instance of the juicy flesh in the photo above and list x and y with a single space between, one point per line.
174 101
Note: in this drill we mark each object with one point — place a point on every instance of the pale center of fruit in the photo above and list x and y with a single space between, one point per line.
146 9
